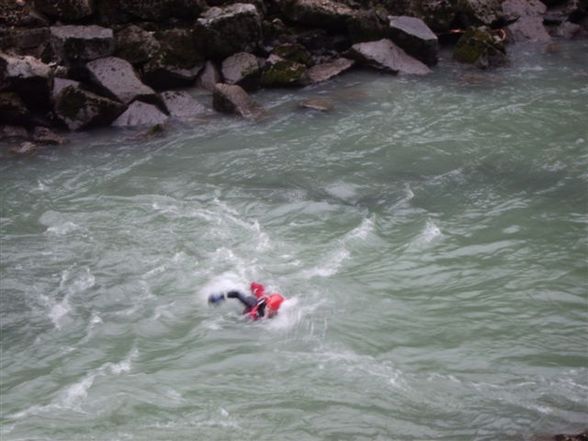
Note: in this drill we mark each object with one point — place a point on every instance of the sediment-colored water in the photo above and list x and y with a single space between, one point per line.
430 234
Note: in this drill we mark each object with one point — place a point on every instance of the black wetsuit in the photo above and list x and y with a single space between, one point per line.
250 302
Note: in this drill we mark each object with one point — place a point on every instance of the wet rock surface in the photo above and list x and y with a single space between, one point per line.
386 56
140 114
233 99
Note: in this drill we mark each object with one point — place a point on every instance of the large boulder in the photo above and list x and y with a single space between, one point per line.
528 20
61 83
73 43
80 109
136 45
176 63
229 98
29 77
326 71
479 46
141 114
182 106
117 78
415 37
243 69
66 10
385 55
223 31
327 14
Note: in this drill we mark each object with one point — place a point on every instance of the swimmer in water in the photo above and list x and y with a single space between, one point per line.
257 305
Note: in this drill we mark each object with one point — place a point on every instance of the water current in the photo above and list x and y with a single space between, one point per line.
429 233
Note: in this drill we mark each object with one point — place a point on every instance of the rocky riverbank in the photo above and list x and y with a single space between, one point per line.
78 64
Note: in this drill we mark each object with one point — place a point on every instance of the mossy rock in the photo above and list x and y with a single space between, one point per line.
284 73
478 46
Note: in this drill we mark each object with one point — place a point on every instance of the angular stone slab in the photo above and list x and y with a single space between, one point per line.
119 80
141 114
243 69
326 71
181 105
229 98
385 55
81 109
415 37
72 43
61 83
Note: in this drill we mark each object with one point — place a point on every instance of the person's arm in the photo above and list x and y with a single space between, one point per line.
247 300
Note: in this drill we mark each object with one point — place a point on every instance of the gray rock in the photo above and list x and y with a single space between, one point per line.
223 31
81 109
182 106
29 77
141 114
209 76
320 13
568 30
66 10
229 98
119 80
415 37
243 69
326 71
385 55
136 45
72 43
528 16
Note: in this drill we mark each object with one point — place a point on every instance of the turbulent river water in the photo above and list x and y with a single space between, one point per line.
430 235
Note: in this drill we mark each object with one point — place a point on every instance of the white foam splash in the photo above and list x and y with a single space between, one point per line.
63 229
76 393
59 311
332 264
430 233
362 230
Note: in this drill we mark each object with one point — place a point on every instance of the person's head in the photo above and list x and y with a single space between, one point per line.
257 289
273 304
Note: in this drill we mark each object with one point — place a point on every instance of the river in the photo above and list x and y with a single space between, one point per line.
430 234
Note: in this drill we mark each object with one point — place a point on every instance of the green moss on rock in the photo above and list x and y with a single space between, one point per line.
284 73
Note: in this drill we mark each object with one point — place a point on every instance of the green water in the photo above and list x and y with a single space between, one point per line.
430 235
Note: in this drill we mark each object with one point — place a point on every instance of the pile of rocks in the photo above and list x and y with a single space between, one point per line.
78 64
